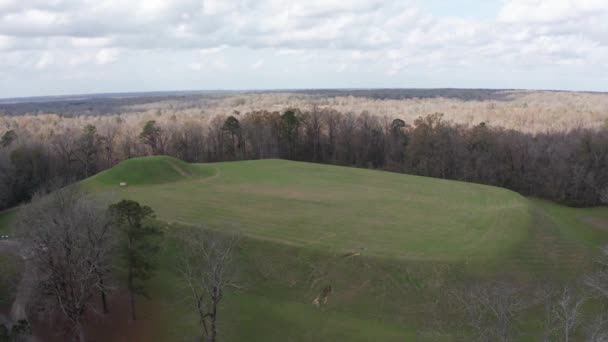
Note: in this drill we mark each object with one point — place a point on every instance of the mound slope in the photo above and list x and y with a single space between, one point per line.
332 208
146 171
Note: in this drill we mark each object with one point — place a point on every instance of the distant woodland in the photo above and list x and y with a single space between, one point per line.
43 151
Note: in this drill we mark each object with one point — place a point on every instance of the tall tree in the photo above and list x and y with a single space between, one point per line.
207 269
289 132
140 246
31 170
7 138
233 128
397 142
69 240
313 127
152 135
86 150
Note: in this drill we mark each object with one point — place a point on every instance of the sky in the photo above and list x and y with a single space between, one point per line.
55 47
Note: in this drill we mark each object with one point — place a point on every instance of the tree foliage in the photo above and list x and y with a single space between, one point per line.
140 245
152 135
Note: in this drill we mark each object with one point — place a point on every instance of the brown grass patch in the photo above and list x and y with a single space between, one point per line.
115 326
597 222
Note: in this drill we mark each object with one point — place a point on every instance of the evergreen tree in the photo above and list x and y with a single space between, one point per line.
140 245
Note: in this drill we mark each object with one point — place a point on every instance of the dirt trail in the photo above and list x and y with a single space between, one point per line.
217 174
179 170
188 175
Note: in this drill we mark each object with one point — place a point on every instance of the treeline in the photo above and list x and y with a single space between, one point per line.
101 104
414 93
569 167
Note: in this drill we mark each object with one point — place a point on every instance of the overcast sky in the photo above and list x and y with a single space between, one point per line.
50 47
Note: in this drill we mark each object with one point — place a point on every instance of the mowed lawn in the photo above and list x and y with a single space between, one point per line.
6 218
390 245
329 208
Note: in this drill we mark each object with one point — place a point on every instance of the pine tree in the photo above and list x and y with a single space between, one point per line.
140 245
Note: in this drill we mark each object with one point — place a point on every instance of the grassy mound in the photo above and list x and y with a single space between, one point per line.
332 208
392 246
146 171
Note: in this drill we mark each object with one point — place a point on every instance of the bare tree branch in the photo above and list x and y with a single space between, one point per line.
68 240
207 269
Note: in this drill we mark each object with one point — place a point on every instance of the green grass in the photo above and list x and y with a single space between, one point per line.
8 264
6 218
8 278
146 171
337 208
392 246
587 226
372 299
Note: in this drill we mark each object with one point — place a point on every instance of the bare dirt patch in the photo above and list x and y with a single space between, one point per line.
115 326
597 222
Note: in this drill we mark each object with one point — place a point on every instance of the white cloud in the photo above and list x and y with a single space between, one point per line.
85 42
195 66
45 60
32 22
257 65
220 65
106 56
211 51
6 42
548 11
371 37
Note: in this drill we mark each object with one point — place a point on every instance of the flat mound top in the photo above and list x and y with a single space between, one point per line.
146 171
341 209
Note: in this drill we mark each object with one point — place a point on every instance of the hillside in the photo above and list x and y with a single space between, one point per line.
393 247
330 208
146 171
6 217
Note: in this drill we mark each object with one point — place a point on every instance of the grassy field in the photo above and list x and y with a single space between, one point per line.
6 217
8 264
392 246
333 208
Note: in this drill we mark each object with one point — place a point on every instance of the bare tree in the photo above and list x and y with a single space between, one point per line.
598 330
564 314
598 281
87 146
491 310
207 269
69 241
598 284
604 196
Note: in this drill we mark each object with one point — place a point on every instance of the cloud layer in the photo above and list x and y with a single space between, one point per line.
67 46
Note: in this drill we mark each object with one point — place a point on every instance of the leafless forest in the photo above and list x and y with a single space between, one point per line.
547 144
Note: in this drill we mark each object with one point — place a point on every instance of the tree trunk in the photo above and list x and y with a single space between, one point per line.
131 294
104 302
132 302
215 300
80 331
130 279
